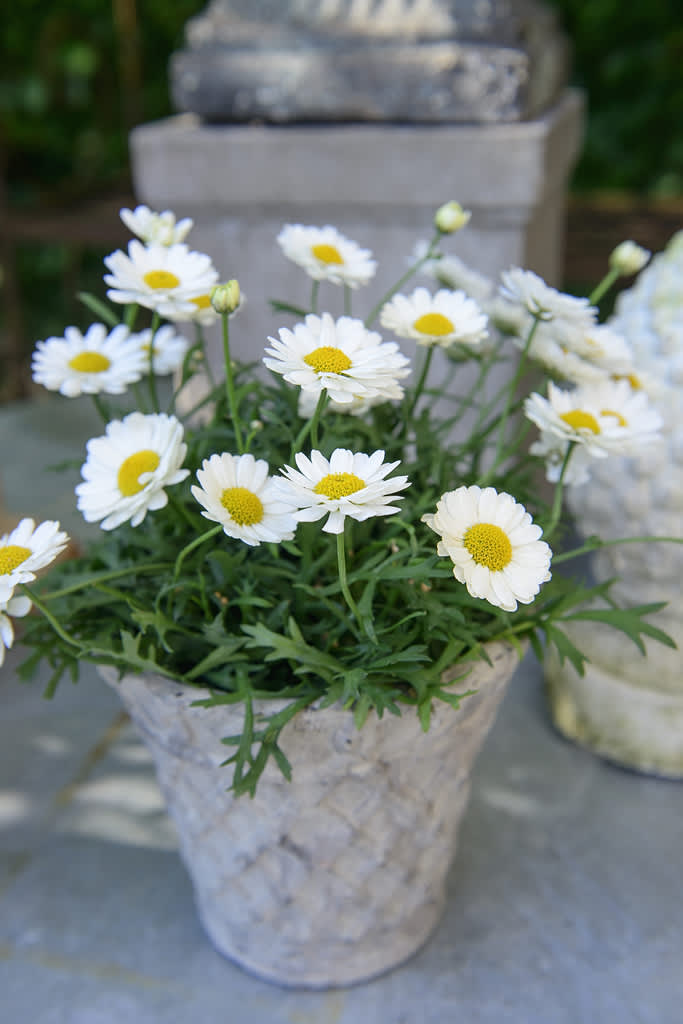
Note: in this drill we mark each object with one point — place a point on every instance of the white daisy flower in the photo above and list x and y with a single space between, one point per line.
543 302
156 228
16 607
357 407
553 450
346 484
26 550
555 354
200 312
327 255
609 350
495 547
443 319
453 273
168 349
628 409
237 492
127 469
605 418
97 362
341 356
163 278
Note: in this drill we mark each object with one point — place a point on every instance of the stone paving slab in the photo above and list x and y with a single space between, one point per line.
564 900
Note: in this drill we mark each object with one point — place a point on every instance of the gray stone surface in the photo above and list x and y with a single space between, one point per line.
563 904
370 60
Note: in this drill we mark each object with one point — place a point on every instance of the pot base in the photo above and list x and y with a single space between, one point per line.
632 726
339 967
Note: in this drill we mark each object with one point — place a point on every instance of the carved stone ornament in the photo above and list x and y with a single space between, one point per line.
370 60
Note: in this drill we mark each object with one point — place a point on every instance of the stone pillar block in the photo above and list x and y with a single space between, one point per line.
378 183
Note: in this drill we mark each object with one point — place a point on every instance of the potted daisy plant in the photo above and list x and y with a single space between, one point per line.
316 575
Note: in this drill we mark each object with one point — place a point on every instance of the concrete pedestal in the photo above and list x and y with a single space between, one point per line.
379 184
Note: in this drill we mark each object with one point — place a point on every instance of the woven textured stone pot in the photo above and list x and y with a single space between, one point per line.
340 874
628 708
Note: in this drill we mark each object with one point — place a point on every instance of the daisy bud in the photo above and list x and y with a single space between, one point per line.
629 258
451 217
225 298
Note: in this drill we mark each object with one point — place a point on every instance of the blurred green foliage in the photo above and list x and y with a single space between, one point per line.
628 57
77 74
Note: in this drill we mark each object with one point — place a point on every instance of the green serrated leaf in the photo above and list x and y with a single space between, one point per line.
628 620
216 658
565 648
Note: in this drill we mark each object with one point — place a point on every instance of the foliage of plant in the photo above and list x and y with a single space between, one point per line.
629 60
370 621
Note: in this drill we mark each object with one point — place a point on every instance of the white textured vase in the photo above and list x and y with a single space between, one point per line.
630 708
340 874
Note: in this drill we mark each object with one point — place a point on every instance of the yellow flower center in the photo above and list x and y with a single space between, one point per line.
327 253
434 324
202 301
12 555
161 279
621 420
339 485
489 545
244 506
577 419
132 469
328 359
633 380
89 362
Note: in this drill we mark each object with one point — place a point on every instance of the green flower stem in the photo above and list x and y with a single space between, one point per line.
105 577
559 488
594 544
347 300
140 399
311 426
467 401
151 376
201 342
608 280
343 581
130 315
101 407
511 388
365 624
51 619
191 547
431 249
315 288
420 385
230 385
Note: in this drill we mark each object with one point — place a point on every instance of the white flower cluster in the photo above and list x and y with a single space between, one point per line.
496 550
643 492
162 275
